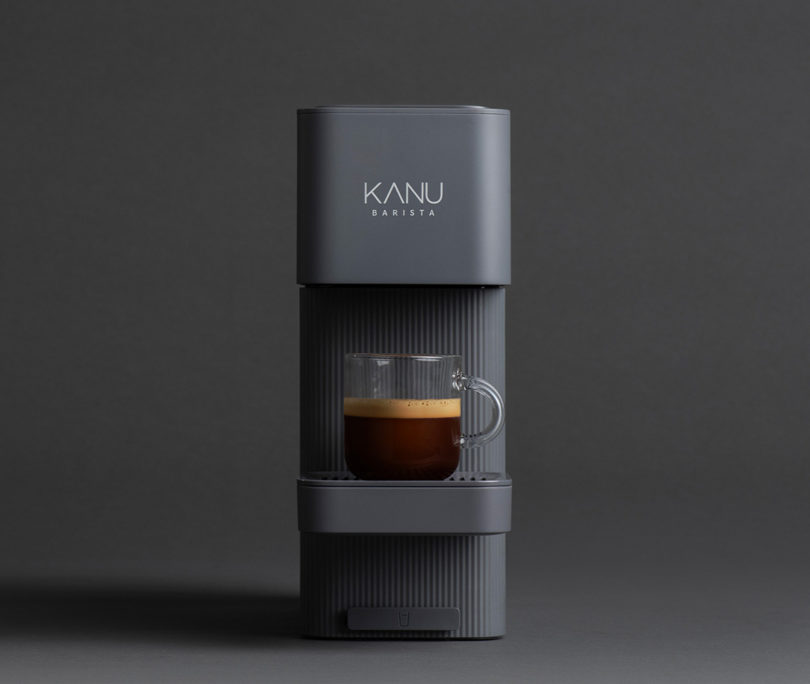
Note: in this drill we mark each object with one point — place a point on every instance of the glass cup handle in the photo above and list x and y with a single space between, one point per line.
477 439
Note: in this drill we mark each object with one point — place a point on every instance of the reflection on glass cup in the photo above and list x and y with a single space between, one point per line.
402 415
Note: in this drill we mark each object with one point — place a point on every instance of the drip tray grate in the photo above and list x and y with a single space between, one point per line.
459 478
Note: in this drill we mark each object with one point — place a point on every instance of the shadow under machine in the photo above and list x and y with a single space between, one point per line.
403 248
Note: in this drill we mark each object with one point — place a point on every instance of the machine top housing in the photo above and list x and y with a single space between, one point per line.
403 195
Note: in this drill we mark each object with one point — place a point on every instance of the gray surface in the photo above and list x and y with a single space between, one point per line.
360 222
459 479
657 332
334 321
438 619
383 509
340 572
344 571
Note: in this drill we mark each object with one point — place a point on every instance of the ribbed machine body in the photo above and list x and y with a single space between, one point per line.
407 320
343 571
467 572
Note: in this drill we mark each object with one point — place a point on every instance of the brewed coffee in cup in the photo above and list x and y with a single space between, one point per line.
402 415
396 439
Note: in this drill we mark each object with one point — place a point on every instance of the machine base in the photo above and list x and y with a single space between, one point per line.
440 586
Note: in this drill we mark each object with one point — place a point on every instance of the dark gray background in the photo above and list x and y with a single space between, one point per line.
658 333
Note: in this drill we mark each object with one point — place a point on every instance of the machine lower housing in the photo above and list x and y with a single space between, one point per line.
405 560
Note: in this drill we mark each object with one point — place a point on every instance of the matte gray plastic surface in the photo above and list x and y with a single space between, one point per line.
341 571
403 195
459 478
432 110
344 571
439 507
430 320
404 618
404 244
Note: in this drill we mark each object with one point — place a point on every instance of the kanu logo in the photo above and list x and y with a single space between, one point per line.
410 199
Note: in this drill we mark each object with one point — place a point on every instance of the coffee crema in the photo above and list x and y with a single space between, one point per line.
402 439
402 408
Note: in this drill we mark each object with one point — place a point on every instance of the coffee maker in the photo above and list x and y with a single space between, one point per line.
403 247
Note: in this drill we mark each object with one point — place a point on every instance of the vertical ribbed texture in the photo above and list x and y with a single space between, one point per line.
339 572
468 321
401 377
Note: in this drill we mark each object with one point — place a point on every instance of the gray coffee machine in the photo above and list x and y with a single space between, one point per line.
403 247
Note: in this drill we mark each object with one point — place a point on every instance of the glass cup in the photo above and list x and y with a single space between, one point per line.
402 415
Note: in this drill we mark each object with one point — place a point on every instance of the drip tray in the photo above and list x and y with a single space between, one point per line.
465 503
